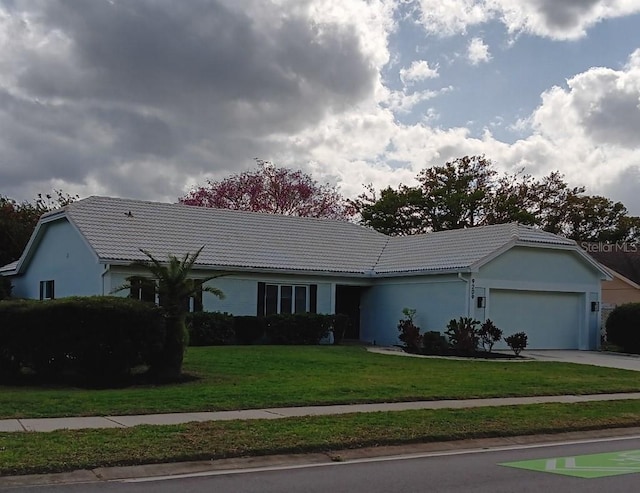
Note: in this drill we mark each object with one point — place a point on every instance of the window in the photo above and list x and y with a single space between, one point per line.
47 290
286 298
143 289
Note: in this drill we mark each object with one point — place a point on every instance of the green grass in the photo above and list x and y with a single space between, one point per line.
23 453
274 376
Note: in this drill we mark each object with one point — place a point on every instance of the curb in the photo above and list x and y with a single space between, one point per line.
246 464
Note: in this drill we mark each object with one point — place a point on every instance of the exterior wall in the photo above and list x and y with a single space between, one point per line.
437 300
63 256
543 272
551 269
617 292
240 290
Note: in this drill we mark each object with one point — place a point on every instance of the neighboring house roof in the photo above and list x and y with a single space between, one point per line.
116 229
625 261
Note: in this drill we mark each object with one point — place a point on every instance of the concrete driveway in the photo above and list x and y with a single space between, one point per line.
597 358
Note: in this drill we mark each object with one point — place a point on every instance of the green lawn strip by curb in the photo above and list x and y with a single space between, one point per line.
251 377
24 453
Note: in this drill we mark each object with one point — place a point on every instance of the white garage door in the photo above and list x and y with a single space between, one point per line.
550 320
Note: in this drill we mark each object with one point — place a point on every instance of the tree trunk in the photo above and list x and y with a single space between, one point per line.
168 365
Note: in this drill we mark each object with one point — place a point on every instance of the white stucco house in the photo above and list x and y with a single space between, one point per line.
522 278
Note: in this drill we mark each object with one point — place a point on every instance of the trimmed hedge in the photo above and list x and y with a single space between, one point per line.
623 327
210 329
96 339
303 328
215 328
249 329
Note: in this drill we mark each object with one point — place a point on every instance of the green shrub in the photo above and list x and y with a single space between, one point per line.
249 329
623 327
517 342
409 331
5 287
433 342
463 335
98 339
489 334
210 329
302 328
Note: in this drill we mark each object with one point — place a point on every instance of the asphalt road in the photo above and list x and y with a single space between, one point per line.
463 471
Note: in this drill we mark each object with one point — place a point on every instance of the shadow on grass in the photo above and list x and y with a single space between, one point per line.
139 377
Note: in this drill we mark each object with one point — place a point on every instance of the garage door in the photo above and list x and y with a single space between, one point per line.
551 320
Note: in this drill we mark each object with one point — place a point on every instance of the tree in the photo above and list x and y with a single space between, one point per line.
513 200
18 220
273 190
551 198
395 213
458 194
468 192
174 287
596 218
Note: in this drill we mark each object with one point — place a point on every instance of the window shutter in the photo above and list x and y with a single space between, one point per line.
313 298
261 288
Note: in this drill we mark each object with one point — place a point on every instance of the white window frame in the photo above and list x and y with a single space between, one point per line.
307 301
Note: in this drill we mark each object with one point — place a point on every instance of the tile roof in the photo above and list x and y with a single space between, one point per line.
458 248
117 228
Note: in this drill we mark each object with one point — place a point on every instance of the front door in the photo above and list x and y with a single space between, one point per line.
348 303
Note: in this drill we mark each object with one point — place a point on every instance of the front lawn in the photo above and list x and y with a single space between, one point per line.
275 376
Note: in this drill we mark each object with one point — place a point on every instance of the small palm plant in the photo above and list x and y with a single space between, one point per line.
174 287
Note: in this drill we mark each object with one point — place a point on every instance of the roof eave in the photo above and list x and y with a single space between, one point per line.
258 269
424 272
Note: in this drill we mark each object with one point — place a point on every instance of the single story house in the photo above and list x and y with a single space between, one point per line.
522 278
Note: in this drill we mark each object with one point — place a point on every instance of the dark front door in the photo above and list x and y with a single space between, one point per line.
348 303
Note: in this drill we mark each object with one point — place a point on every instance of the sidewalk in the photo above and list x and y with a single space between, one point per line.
76 423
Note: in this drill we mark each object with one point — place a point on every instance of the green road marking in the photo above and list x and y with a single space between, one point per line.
585 466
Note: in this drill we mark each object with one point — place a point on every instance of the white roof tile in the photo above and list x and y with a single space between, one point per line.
459 248
118 228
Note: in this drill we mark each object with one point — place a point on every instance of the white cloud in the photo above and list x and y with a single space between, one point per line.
301 85
557 19
403 102
419 70
478 51
447 17
99 92
602 104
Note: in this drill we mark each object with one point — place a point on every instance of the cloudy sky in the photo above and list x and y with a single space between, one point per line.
145 98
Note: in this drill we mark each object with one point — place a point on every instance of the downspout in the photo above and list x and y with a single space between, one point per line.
107 268
462 278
